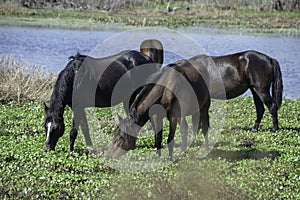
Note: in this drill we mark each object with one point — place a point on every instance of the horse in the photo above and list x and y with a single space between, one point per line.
247 70
89 82
178 90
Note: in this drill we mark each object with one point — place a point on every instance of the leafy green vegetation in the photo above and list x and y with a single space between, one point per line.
242 164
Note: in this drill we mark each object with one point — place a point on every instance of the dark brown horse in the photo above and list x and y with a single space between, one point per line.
178 90
90 82
247 70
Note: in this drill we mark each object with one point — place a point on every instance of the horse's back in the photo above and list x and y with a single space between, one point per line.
115 65
98 77
242 70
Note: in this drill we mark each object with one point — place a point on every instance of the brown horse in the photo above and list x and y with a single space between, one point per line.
178 90
247 70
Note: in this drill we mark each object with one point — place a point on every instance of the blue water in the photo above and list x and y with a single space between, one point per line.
52 47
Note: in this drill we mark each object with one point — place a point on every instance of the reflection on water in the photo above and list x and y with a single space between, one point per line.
52 47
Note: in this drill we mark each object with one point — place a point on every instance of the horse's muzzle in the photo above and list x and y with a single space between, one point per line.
115 152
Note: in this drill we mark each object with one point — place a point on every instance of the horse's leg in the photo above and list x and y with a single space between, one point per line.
80 119
259 110
183 132
196 123
73 135
266 98
204 122
158 129
172 129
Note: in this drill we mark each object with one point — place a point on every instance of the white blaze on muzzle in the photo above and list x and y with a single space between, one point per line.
48 132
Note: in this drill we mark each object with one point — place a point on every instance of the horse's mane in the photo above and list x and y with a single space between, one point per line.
63 87
151 82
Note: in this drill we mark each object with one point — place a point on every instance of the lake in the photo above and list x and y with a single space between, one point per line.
52 47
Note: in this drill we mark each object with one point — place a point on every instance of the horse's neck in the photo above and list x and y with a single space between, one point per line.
58 101
143 104
63 89
57 110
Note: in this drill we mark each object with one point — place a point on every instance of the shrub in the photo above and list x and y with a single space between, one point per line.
19 82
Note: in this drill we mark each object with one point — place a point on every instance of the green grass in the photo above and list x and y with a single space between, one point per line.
268 169
138 16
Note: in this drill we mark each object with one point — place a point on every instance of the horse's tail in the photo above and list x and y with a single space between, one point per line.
277 86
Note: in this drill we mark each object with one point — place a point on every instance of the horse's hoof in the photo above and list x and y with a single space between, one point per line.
254 130
158 153
274 129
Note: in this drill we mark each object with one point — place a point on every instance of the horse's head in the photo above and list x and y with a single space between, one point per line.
125 137
54 126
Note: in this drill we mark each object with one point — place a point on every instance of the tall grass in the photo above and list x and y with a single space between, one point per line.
266 5
19 82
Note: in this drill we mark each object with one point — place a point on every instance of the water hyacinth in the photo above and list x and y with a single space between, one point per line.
267 169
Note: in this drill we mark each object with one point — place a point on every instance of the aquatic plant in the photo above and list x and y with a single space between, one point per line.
267 169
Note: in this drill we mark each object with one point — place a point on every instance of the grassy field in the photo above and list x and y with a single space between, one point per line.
241 165
153 15
268 169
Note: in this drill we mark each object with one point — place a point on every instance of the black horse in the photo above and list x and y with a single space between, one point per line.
247 70
90 82
178 90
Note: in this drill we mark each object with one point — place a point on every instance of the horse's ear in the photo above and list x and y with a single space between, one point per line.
118 119
45 107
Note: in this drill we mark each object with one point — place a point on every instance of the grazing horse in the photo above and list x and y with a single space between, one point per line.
247 70
178 90
90 82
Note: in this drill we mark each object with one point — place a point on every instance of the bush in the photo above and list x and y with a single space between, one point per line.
19 82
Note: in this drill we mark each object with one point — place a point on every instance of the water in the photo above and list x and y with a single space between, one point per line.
52 47
47 47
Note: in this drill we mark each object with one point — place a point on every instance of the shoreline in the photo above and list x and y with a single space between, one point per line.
241 20
51 24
